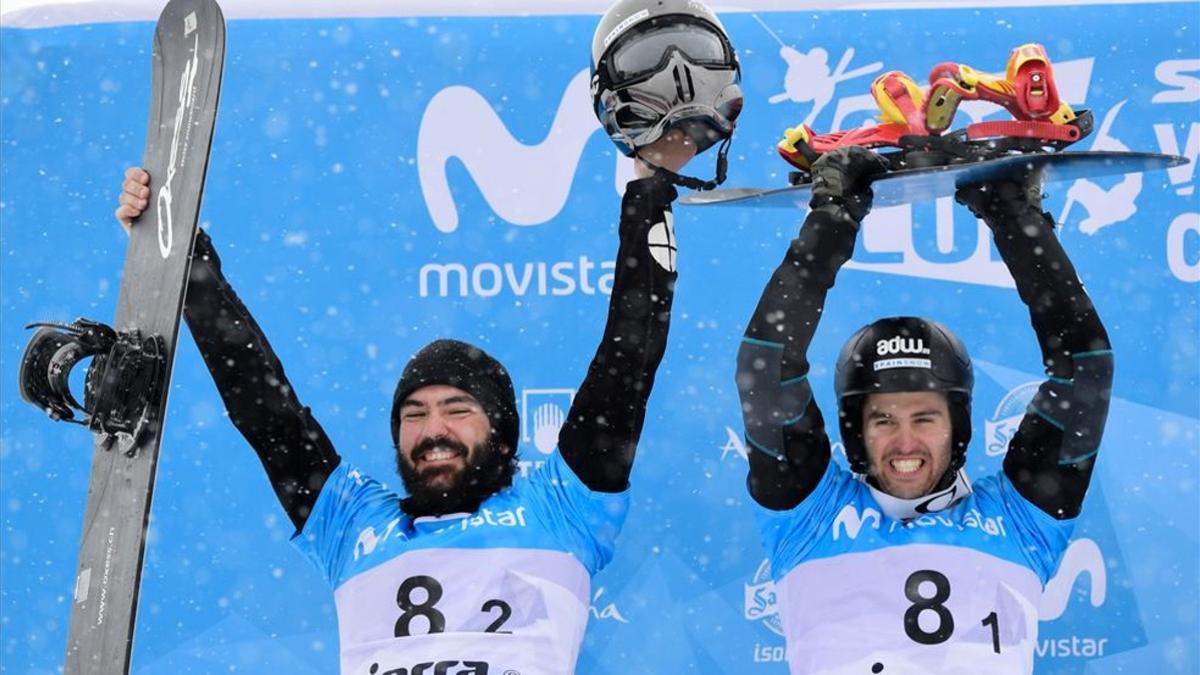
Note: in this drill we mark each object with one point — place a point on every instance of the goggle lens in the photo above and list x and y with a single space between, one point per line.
646 52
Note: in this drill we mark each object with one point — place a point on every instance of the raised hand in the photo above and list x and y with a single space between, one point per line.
842 177
134 197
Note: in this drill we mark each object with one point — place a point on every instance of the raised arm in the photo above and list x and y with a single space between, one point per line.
600 434
1051 457
292 446
785 433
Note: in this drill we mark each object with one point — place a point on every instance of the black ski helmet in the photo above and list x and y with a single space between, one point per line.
903 354
660 64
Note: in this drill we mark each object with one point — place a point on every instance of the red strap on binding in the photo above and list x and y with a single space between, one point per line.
1023 129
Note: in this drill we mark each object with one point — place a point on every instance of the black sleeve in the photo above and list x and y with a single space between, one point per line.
785 433
1051 457
292 446
601 431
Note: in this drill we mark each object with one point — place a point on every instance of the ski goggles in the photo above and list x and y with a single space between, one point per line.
644 52
704 101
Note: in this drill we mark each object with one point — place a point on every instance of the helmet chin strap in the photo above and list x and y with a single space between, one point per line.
688 181
937 500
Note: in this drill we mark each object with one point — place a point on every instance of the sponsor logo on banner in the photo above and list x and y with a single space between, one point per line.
542 414
1083 556
608 612
761 602
808 77
999 430
1181 81
733 444
523 184
761 605
1104 207
489 279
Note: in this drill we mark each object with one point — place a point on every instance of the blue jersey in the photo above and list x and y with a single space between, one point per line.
950 592
504 589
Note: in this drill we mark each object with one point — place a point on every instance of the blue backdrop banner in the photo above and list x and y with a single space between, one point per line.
376 183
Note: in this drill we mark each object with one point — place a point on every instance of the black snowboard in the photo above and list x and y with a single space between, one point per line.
189 49
908 186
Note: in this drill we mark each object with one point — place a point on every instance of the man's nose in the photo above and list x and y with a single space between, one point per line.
906 440
435 425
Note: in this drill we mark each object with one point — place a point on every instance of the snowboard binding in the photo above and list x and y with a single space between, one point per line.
121 384
914 121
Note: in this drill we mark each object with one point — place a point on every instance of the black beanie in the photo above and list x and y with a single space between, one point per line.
469 368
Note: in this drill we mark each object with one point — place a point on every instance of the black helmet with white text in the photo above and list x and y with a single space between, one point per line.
903 354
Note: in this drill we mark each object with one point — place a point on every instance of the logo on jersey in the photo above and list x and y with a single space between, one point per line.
761 602
609 611
368 540
999 430
543 412
850 521
661 240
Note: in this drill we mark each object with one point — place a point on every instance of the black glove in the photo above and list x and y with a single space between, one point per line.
1003 198
841 181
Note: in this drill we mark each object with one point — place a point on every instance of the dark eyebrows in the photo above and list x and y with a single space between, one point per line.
460 398
877 413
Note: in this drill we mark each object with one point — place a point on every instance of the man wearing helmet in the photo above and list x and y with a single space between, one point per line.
470 572
946 574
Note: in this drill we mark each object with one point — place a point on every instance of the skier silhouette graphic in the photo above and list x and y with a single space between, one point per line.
808 77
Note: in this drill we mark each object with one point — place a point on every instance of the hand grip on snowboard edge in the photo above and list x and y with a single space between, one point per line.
134 197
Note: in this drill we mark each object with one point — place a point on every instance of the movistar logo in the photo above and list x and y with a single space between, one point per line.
901 345
524 184
850 521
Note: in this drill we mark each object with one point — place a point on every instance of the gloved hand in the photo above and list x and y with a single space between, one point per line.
841 180
1003 197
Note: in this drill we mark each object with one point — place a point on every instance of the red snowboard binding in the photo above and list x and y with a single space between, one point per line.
915 121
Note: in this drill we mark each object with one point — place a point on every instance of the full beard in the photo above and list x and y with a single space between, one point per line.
488 471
